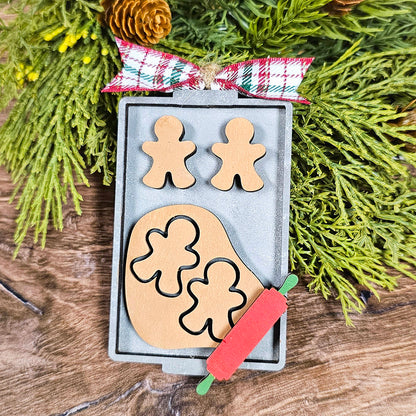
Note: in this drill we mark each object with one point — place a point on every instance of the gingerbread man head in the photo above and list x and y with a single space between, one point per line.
168 129
239 130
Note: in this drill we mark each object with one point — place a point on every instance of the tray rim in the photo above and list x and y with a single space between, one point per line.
175 364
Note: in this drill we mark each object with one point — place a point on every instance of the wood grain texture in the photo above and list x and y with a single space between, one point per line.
57 364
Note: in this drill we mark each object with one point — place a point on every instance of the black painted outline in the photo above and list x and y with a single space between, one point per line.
208 322
158 273
124 242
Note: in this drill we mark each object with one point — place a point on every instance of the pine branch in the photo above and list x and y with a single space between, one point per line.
205 24
290 23
353 201
382 25
61 123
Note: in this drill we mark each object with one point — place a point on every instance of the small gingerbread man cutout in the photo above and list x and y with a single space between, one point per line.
169 154
238 157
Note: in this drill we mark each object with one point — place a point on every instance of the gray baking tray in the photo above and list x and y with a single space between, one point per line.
256 222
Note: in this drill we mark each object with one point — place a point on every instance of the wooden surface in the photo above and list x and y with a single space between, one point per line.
55 363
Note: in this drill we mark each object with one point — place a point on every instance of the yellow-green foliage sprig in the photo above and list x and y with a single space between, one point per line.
61 122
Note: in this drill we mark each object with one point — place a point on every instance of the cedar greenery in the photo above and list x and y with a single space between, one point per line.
353 202
353 199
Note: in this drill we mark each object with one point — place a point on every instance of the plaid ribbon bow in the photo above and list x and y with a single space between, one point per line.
150 70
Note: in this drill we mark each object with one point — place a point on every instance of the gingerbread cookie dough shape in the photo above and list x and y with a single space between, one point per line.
157 317
238 157
169 154
170 252
220 276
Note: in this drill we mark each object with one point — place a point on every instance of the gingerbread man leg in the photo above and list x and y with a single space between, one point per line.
156 177
224 179
250 179
181 177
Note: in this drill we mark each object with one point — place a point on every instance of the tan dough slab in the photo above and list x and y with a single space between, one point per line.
238 157
168 310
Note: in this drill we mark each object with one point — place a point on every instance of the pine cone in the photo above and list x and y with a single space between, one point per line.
138 21
340 7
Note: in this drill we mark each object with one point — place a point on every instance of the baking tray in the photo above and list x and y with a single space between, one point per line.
256 222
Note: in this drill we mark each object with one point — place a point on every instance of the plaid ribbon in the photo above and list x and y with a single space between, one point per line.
150 70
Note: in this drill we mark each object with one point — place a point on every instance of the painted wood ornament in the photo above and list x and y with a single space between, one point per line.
185 285
179 285
169 154
238 157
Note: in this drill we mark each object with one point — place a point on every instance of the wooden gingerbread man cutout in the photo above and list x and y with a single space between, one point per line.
238 157
169 154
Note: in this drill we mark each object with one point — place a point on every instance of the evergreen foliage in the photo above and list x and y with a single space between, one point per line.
380 24
61 123
353 199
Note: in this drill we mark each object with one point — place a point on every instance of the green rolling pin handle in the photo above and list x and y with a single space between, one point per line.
290 282
204 385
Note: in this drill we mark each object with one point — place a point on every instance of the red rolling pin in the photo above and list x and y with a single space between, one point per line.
246 334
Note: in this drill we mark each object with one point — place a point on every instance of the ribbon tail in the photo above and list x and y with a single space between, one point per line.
146 69
269 78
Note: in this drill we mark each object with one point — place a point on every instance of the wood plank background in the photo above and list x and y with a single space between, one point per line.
54 361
